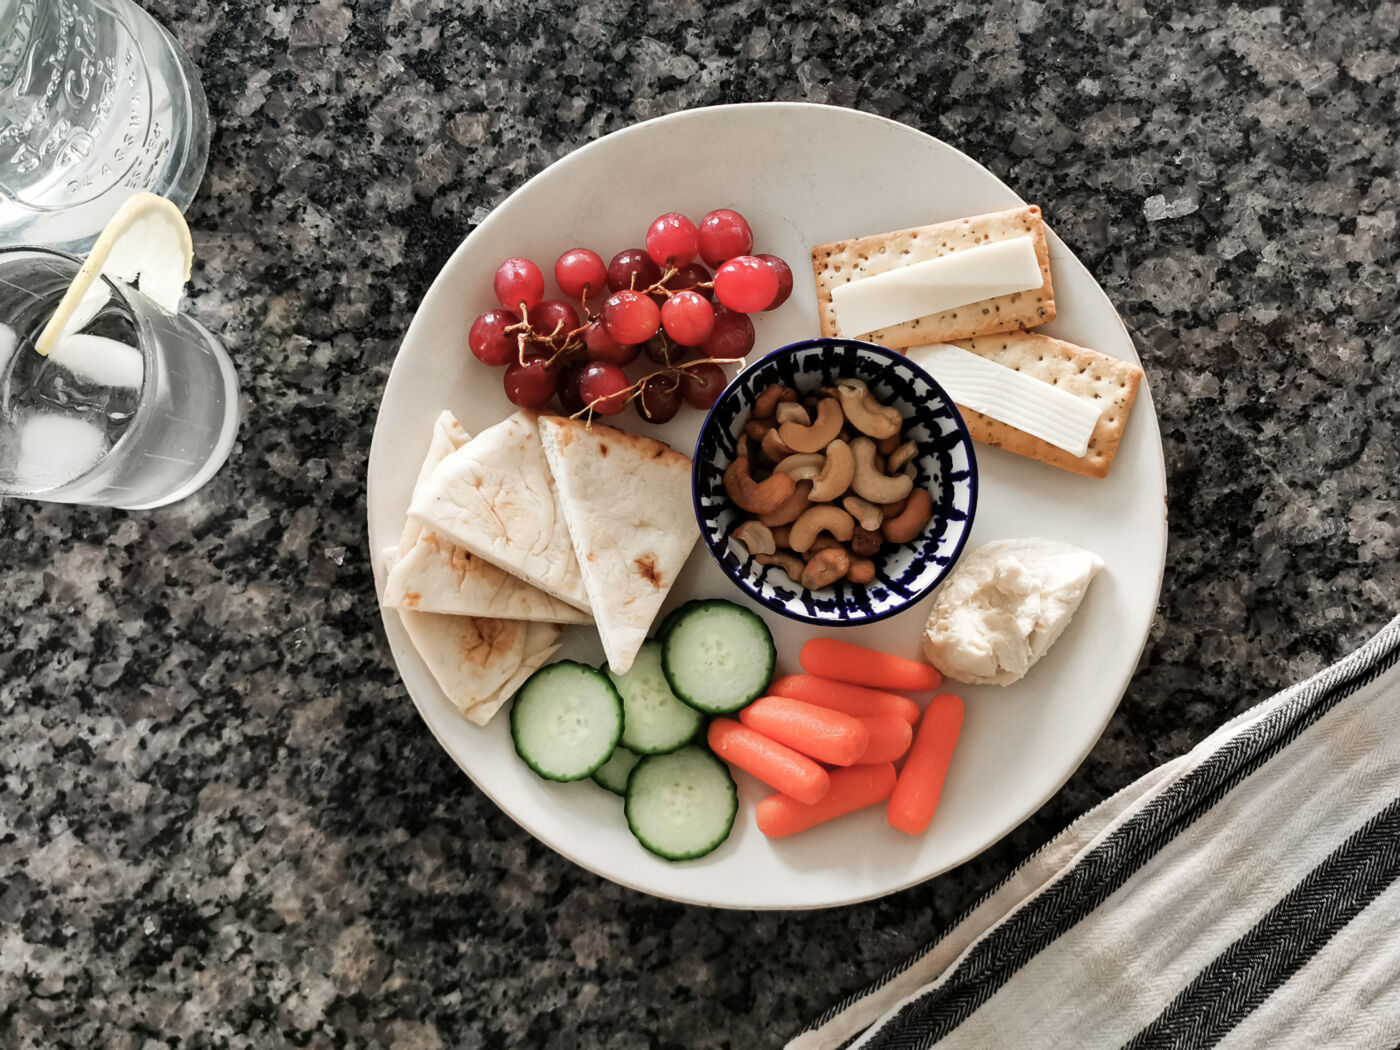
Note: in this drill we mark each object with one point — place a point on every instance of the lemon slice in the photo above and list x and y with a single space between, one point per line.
146 245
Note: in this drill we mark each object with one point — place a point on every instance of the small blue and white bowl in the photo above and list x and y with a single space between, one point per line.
945 462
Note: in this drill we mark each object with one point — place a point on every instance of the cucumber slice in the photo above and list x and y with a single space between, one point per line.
671 617
682 805
566 720
718 656
613 773
653 720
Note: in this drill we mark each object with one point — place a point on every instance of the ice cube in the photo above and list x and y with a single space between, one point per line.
100 360
54 449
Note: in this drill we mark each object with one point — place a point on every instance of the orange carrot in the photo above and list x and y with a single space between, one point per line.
851 789
842 696
921 780
861 666
827 736
776 765
889 739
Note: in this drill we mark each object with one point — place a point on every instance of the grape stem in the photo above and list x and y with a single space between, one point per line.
635 390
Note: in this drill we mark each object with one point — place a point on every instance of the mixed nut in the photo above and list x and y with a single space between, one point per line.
829 479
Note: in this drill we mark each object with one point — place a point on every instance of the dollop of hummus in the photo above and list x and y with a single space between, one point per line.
1003 606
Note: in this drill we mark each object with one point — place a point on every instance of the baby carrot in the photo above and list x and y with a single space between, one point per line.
889 738
842 696
861 666
776 765
827 736
916 795
851 789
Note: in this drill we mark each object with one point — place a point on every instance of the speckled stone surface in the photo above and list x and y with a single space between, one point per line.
222 823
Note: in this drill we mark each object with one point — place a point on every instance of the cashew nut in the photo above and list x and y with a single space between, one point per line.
901 456
825 568
822 518
867 514
802 467
789 563
866 542
791 508
909 524
818 435
756 429
780 535
869 483
836 473
756 497
822 543
887 445
791 412
766 402
865 413
773 446
755 537
862 570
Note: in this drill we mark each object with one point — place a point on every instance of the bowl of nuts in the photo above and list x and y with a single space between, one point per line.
834 482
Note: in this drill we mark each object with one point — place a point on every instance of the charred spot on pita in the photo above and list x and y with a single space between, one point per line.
646 565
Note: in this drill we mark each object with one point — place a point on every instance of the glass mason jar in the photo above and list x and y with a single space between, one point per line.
96 102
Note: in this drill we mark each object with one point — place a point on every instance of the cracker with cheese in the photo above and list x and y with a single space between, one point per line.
909 283
1098 382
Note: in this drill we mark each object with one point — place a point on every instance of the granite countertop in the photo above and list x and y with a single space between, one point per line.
222 823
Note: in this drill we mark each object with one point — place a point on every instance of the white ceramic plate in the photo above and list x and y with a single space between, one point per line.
802 175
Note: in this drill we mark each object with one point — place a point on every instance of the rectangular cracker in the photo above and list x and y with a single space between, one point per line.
1109 382
841 262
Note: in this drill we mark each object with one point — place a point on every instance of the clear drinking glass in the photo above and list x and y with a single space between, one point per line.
137 410
96 102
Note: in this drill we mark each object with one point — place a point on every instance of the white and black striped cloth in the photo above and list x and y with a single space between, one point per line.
1246 894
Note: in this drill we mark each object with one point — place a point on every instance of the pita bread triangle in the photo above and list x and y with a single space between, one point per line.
494 497
431 574
626 500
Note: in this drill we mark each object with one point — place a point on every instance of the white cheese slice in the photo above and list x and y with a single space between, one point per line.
934 285
1006 395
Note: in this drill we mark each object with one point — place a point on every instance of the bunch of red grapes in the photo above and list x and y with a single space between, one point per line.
656 301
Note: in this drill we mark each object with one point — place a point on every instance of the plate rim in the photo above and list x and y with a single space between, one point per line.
1058 250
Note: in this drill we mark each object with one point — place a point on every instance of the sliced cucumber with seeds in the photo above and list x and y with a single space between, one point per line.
671 617
718 657
653 720
566 720
613 773
682 805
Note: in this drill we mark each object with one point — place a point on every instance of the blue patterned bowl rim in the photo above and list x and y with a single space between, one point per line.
774 603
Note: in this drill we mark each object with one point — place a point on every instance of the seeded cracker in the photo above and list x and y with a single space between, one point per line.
1110 383
843 261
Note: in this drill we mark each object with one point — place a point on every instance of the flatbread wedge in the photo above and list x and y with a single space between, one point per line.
626 500
432 574
494 497
479 662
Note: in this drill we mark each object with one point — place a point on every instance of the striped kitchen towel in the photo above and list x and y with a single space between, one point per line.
1246 894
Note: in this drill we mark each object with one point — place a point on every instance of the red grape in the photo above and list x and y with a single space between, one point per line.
631 317
603 347
747 284
519 284
632 268
784 274
580 272
723 234
490 341
688 278
688 318
569 395
672 240
546 317
663 350
733 335
604 388
532 384
701 385
660 399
